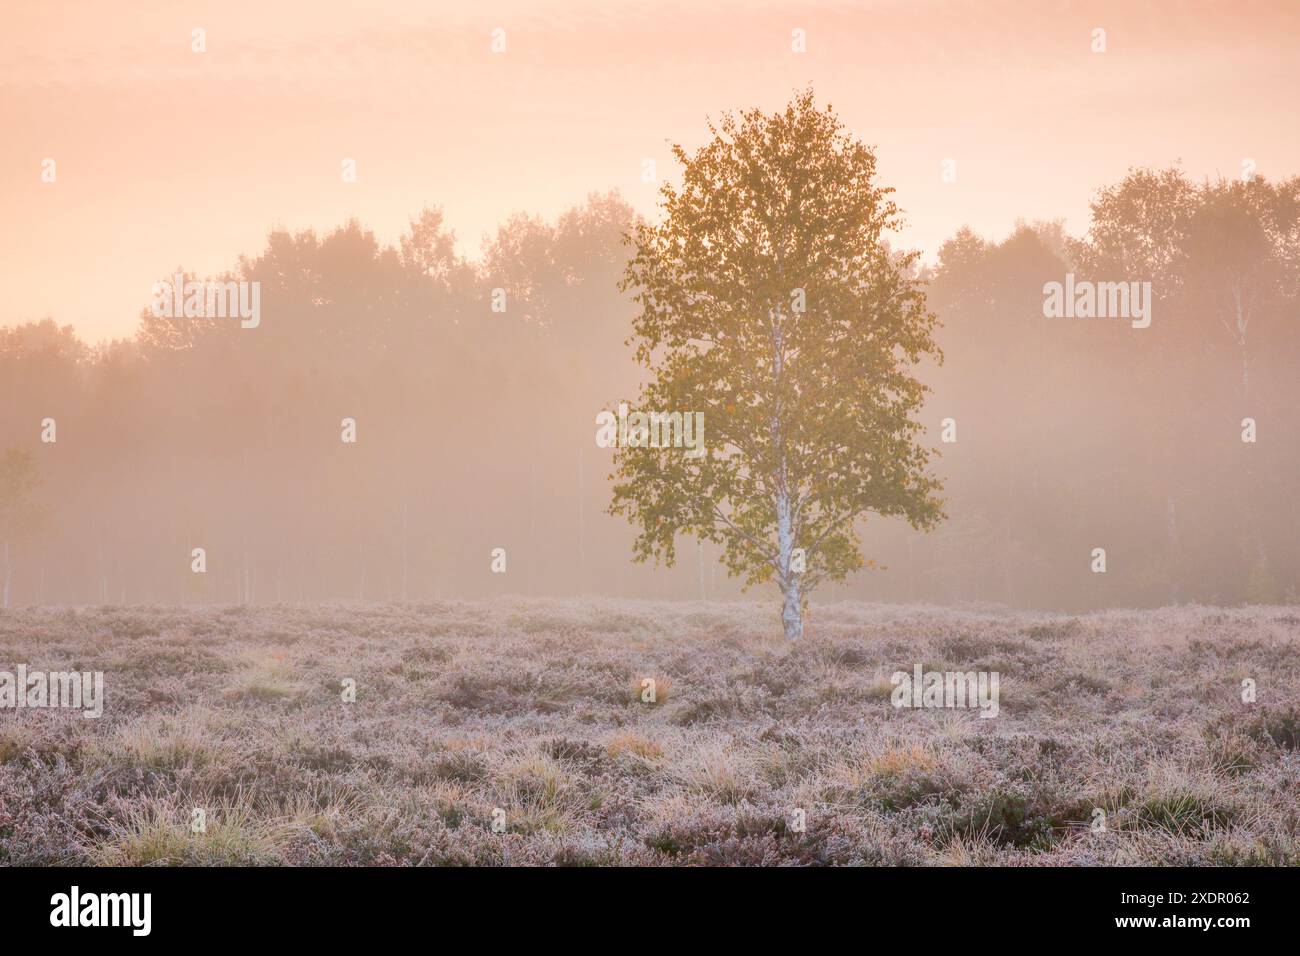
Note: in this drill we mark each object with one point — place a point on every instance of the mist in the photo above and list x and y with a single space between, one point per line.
474 423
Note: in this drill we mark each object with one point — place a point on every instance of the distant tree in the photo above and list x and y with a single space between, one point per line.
770 301
1223 257
1242 247
430 247
1226 253
20 514
1139 228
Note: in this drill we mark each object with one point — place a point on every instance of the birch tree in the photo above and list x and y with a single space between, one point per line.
770 301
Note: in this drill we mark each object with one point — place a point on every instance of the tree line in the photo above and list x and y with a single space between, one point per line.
474 386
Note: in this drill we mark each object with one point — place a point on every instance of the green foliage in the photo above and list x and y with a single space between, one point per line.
808 413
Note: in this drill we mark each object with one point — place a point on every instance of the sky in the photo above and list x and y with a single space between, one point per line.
165 157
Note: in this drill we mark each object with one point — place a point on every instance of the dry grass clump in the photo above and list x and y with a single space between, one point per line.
162 742
630 742
159 834
650 690
718 770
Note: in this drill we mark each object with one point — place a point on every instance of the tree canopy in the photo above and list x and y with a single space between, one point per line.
770 302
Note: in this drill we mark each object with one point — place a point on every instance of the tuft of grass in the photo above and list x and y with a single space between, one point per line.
161 835
12 744
637 690
897 761
534 789
262 688
267 676
459 766
879 689
162 743
719 771
1276 726
1183 813
629 742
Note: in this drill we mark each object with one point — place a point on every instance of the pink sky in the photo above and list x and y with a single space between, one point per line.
170 158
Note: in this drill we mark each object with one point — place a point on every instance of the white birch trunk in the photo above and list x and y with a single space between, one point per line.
792 611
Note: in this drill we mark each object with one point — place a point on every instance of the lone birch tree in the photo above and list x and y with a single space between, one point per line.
770 301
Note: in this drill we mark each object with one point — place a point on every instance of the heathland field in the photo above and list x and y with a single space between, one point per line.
537 709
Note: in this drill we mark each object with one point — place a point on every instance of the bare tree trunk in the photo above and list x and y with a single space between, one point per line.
406 516
361 573
792 611
1243 321
700 556
532 522
103 573
582 552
